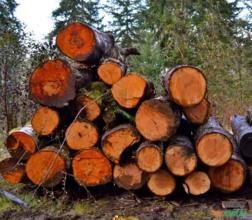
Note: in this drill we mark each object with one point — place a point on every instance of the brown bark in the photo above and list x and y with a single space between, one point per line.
185 85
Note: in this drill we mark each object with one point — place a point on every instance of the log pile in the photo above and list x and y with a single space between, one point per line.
102 123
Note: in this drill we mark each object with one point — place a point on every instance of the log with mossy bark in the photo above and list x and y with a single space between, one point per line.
214 145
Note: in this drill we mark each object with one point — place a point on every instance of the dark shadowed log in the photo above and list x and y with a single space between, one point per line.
249 116
161 183
185 85
180 157
47 167
157 119
214 145
115 141
199 113
230 176
45 121
149 157
196 183
21 142
91 168
12 171
111 70
243 135
129 176
53 83
81 135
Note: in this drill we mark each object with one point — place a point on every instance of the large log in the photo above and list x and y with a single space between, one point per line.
149 157
185 85
243 135
180 157
129 176
45 121
53 83
12 171
47 167
115 141
214 145
91 168
229 177
157 119
161 183
196 183
21 142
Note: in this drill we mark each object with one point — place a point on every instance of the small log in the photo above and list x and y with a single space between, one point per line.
81 135
180 157
199 113
185 85
129 90
161 183
243 135
197 183
47 167
12 171
53 83
229 177
157 119
111 70
115 141
249 116
21 142
91 168
45 121
149 157
129 176
214 145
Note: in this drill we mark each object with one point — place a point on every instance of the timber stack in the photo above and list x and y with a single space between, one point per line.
102 123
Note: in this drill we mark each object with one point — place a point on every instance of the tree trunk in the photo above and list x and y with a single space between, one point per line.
196 183
180 157
149 157
115 141
47 167
230 176
22 142
199 113
91 168
157 119
12 171
214 145
249 116
243 135
185 85
129 176
161 183
53 83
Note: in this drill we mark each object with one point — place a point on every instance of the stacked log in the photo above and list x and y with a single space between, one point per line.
100 123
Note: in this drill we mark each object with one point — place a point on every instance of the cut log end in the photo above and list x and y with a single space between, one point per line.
115 141
161 183
180 160
214 149
197 183
110 72
198 114
129 176
45 121
76 41
81 135
46 167
129 90
11 171
91 168
52 83
157 120
185 85
149 157
228 177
